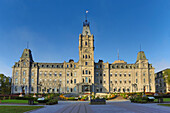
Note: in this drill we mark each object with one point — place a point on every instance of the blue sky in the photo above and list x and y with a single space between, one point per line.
52 28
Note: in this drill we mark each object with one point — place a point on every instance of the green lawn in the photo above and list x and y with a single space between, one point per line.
164 99
16 101
17 109
165 105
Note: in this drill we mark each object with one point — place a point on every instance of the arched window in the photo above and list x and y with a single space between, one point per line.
89 72
71 81
86 72
86 56
83 71
86 43
86 79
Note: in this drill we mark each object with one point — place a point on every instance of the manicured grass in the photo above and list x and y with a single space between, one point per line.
165 105
16 101
17 109
164 99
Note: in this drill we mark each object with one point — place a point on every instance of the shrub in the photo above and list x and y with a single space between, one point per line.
52 102
71 98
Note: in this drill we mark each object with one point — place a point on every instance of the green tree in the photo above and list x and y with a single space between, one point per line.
166 75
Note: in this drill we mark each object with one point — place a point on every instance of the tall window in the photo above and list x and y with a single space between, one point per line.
16 88
104 74
120 74
24 72
32 80
55 74
129 74
67 73
86 43
75 81
125 75
86 72
45 74
136 74
74 73
50 73
143 74
111 74
97 74
86 63
16 81
23 80
144 80
136 80
86 79
75 89
16 73
67 66
67 81
67 89
115 74
32 73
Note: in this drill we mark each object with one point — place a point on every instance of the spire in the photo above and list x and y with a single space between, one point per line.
141 56
27 55
86 27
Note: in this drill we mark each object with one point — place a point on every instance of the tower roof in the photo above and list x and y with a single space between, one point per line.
141 56
86 28
27 54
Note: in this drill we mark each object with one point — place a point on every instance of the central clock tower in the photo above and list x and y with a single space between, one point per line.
86 55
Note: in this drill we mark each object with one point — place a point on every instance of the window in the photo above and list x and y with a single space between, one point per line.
86 79
115 81
89 56
120 81
71 81
103 66
86 56
144 80
86 43
75 89
104 74
67 73
96 66
74 73
23 80
74 66
115 74
24 64
120 74
136 80
89 72
100 89
104 81
100 74
50 73
125 81
32 80
40 73
67 66
60 74
129 81
143 74
97 74
16 88
111 74
100 66
16 81
136 74
16 73
129 74
111 81
83 71
24 73
125 75
32 73
83 56
67 81
55 74
75 81
100 81
45 74
86 72
86 63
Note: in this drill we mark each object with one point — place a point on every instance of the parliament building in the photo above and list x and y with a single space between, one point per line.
83 76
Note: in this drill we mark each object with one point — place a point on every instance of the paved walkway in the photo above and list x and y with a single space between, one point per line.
110 107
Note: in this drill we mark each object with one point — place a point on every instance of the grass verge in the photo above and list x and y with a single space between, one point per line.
165 105
17 109
16 101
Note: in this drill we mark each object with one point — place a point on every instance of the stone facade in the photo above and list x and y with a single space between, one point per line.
160 81
83 76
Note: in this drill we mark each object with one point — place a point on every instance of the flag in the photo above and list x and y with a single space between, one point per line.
87 11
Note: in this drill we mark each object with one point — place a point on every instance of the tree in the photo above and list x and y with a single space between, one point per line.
5 84
166 75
